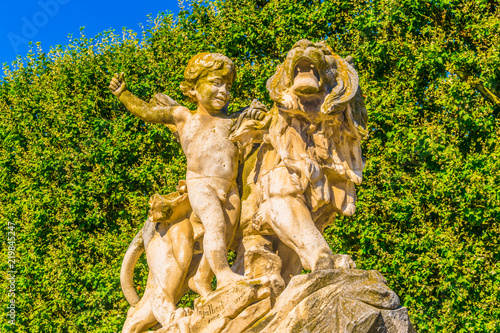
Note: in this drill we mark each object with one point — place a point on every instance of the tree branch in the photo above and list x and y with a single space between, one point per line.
464 76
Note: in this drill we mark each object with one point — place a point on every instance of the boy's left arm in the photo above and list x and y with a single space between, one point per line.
251 124
255 111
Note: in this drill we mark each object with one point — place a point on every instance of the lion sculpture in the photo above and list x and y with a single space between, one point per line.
302 162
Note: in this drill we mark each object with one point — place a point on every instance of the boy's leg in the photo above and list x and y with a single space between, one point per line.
232 211
201 282
207 206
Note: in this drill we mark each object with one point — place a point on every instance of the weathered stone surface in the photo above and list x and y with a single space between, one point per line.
261 261
233 308
343 301
213 313
336 301
249 316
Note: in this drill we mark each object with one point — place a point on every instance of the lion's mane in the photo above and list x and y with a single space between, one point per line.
323 154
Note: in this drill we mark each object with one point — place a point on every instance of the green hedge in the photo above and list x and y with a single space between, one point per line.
77 169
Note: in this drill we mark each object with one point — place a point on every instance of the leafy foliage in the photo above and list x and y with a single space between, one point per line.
76 169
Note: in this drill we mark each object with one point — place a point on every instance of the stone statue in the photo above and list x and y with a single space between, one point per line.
299 165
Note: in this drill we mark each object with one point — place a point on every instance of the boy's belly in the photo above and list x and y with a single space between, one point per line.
214 167
208 149
218 159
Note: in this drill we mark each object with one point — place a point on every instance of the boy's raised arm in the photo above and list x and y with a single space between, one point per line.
149 112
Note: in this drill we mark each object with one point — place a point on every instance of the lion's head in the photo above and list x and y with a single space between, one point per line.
313 74
314 129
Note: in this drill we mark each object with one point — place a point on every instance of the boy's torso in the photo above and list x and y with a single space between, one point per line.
209 152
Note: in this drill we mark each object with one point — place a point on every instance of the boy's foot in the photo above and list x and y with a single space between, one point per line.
229 278
199 286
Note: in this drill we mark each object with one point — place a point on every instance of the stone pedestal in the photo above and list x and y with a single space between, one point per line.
231 309
339 300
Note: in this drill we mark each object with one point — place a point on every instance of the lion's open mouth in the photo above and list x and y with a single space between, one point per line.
306 78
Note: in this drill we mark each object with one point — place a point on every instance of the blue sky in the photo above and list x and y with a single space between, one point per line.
51 21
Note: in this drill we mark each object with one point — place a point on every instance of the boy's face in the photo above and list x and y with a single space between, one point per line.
212 90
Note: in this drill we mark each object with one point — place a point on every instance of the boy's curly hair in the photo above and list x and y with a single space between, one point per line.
200 65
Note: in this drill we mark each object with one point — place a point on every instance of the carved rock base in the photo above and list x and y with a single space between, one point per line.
351 300
336 301
233 308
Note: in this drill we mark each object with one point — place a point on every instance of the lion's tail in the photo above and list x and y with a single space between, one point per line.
133 253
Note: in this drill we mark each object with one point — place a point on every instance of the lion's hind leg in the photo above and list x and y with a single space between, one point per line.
141 317
293 224
291 264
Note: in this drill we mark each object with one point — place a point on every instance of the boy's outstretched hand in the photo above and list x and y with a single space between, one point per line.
117 84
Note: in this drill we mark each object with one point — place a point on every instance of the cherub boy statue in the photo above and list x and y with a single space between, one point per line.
212 159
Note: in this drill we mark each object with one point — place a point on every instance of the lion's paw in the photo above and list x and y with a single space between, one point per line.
343 261
174 316
182 312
